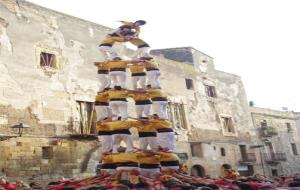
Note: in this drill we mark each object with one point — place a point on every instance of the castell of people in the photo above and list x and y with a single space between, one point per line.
95 101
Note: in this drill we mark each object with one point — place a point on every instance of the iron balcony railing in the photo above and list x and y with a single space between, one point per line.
268 131
275 157
249 157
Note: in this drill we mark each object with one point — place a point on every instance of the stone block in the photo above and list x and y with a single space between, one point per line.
3 120
52 114
34 168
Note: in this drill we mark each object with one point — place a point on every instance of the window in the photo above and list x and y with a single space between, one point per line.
294 149
189 84
227 124
183 156
176 115
274 172
48 60
86 113
210 91
47 152
289 127
223 153
196 149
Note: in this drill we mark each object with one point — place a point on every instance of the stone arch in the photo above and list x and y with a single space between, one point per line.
198 171
87 158
224 168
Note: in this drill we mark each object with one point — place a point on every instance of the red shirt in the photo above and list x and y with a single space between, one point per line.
9 186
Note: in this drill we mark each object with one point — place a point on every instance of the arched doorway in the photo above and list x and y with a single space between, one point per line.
198 171
224 168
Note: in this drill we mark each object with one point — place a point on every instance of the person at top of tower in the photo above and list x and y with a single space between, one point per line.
135 25
125 33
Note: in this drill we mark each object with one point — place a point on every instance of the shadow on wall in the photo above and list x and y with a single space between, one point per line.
87 158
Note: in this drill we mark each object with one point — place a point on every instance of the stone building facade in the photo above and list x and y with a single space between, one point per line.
49 83
279 140
219 130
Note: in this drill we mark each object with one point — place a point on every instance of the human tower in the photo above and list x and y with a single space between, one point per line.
155 153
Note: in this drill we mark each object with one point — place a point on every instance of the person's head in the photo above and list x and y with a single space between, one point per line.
121 149
117 59
125 28
294 184
297 177
267 187
213 186
96 188
139 23
2 181
155 116
244 186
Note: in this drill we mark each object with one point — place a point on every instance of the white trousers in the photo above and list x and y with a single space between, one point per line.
166 168
138 82
142 52
151 141
118 138
150 172
119 108
160 108
166 140
153 78
118 78
109 52
104 80
102 112
106 143
143 110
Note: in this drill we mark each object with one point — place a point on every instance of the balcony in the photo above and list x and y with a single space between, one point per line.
267 131
274 158
248 158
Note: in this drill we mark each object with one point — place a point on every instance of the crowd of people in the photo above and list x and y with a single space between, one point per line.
164 181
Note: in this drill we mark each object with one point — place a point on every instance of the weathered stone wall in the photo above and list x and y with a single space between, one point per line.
281 141
22 157
46 99
203 112
297 118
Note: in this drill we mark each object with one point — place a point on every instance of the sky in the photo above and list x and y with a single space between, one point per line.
258 40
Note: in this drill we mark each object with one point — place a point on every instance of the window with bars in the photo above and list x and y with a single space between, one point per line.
294 148
48 60
196 150
189 84
47 152
176 115
227 124
289 127
210 91
223 152
87 117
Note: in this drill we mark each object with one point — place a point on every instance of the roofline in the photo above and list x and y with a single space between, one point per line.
189 47
28 3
